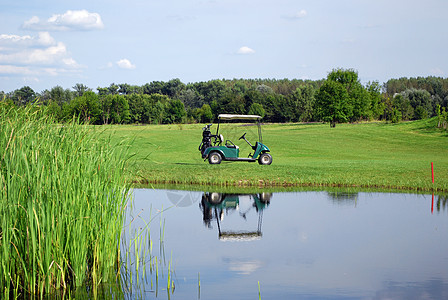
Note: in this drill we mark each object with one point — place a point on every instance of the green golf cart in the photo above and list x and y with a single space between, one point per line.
216 149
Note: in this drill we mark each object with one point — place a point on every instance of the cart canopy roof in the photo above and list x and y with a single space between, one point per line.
238 117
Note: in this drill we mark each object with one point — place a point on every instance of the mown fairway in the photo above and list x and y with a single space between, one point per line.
361 155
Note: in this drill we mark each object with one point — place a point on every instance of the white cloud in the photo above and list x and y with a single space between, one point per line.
46 39
298 15
70 20
437 72
34 55
301 14
244 267
125 64
8 69
245 50
12 41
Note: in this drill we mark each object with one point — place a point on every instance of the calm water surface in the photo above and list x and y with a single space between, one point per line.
301 245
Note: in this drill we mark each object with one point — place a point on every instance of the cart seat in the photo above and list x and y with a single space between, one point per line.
229 144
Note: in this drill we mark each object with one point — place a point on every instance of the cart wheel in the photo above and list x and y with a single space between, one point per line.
265 159
214 158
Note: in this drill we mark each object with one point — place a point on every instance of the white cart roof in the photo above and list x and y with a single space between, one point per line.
238 117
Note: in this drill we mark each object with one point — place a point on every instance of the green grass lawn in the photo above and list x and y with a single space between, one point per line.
377 155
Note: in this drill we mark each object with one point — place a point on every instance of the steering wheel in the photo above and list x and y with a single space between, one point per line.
242 137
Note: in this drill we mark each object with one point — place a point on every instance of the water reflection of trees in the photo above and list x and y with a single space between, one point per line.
343 198
442 202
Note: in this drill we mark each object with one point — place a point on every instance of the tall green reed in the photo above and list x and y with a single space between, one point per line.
62 199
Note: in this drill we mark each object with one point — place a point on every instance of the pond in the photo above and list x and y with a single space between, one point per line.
291 245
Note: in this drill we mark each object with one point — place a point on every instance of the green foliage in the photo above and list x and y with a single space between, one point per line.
303 103
333 103
205 114
176 111
284 100
377 106
62 201
256 109
86 107
23 96
442 118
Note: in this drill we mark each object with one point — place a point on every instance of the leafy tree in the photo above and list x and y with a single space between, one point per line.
176 111
80 89
420 100
257 109
191 98
302 103
112 89
403 105
120 113
24 95
154 87
158 112
60 96
105 103
85 107
138 104
205 114
53 108
173 87
333 103
376 104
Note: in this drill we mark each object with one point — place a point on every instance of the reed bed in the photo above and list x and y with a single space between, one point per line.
63 194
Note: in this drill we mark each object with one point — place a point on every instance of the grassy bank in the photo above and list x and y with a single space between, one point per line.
62 197
375 155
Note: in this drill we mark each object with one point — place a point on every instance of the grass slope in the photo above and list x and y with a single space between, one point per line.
380 155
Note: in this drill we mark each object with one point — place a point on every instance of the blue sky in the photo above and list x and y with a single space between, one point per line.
48 43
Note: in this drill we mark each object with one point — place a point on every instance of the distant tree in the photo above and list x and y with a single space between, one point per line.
420 101
213 90
205 114
85 107
302 103
176 111
154 87
54 109
120 113
262 88
124 89
403 105
112 89
172 88
158 113
359 98
257 109
105 105
102 91
80 89
333 103
137 105
24 95
60 96
376 99
190 98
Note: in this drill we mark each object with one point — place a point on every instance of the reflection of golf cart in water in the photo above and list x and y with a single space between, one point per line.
216 205
226 149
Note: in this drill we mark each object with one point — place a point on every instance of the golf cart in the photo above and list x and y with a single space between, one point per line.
214 148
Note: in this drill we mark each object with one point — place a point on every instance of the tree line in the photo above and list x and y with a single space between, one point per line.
338 98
